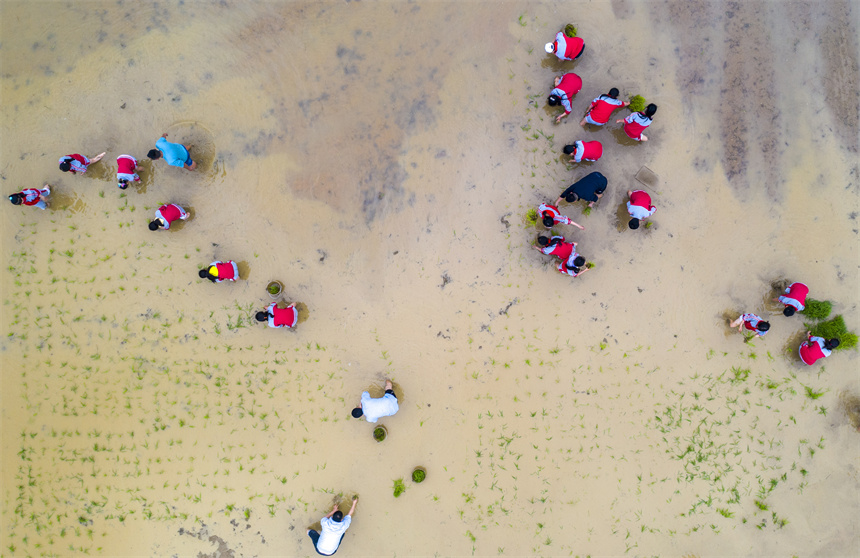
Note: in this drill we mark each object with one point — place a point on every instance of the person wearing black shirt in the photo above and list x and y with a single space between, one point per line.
589 188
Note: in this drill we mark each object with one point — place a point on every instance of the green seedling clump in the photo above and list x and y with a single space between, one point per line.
835 328
589 265
399 488
570 30
418 475
637 103
379 433
531 216
273 288
817 309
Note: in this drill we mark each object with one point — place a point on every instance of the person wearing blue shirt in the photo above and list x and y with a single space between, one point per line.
175 154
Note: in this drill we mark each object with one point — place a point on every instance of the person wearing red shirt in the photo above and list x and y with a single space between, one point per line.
636 123
794 299
566 87
125 167
550 216
639 207
752 323
574 266
31 197
602 107
564 47
556 246
77 163
816 348
167 214
219 271
580 151
279 317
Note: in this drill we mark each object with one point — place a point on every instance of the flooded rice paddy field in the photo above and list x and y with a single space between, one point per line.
379 159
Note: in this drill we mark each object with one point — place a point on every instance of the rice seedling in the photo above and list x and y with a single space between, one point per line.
399 487
835 328
817 309
637 103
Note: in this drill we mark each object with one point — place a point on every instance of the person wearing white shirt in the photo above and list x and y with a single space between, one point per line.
373 409
334 526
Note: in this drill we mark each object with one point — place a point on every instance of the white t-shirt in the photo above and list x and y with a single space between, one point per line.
332 532
639 212
375 409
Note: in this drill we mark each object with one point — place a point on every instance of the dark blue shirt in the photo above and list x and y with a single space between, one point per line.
588 187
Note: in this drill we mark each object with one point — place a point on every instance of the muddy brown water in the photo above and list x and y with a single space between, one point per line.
379 159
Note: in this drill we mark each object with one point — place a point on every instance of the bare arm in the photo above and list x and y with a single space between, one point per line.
575 224
352 509
333 509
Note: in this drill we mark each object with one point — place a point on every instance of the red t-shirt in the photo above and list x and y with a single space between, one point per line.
170 212
641 198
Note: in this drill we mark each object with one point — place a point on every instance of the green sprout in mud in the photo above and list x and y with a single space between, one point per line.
532 216
399 487
812 394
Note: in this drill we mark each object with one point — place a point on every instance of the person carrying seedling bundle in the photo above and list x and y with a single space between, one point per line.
564 47
125 167
639 207
573 266
794 299
602 107
31 197
555 246
589 188
279 317
752 323
816 348
77 163
566 87
580 151
551 216
374 408
219 271
636 123
166 214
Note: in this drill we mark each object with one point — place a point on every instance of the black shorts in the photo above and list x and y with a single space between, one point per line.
391 391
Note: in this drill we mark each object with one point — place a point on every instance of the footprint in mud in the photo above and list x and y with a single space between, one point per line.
622 217
102 171
850 404
244 270
60 200
304 312
791 346
621 137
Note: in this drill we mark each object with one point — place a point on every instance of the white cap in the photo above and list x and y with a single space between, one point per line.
549 47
